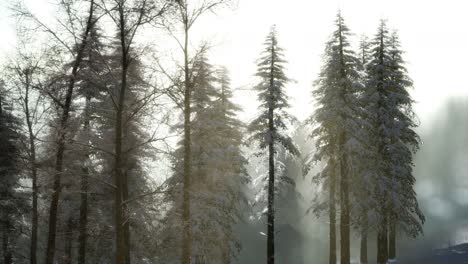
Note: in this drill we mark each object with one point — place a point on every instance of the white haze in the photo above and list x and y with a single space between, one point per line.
432 34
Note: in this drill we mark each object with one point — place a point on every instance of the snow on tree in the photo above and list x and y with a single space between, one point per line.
390 108
218 173
338 131
13 201
269 128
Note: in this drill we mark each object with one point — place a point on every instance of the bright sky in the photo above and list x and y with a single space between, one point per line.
433 34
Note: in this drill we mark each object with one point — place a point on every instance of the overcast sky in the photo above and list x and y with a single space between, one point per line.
433 34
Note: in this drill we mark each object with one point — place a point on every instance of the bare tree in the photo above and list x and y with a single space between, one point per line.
65 105
23 72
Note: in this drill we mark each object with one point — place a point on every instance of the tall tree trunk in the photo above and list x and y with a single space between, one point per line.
345 218
34 220
120 257
332 214
120 179
6 243
62 131
271 170
69 241
344 177
125 198
382 243
120 217
271 198
382 233
392 240
186 217
83 231
364 232
33 168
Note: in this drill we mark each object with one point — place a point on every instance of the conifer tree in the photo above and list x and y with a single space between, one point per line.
136 149
364 161
269 127
230 165
364 50
218 171
12 204
338 130
390 107
91 88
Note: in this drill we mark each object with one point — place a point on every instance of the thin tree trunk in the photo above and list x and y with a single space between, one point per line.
382 243
392 241
121 243
69 241
61 141
332 215
125 198
120 257
365 228
6 247
344 219
344 177
186 217
271 199
271 170
83 231
34 220
33 167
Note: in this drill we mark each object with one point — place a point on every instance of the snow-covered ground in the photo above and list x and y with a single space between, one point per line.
452 255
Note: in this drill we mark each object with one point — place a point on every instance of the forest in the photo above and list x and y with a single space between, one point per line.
112 151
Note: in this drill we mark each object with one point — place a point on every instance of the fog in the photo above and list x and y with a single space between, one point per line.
441 172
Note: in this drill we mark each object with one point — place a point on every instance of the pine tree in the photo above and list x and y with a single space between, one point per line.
390 107
218 171
230 165
364 161
136 151
12 203
269 128
91 88
338 130
364 50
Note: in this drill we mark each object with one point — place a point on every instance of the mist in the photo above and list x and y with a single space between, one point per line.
441 184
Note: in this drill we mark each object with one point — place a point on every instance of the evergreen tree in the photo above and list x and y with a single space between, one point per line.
390 107
337 131
218 171
269 128
12 201
136 151
364 50
364 161
91 89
